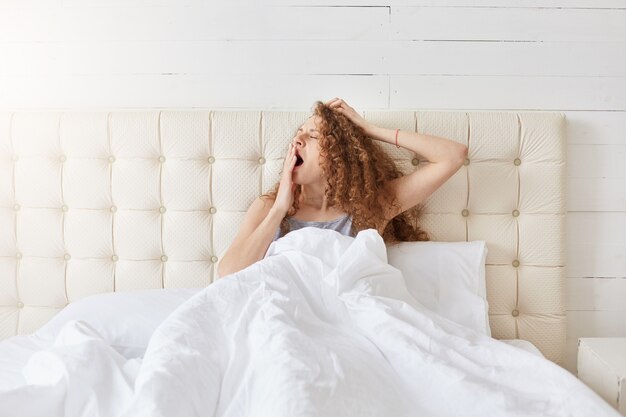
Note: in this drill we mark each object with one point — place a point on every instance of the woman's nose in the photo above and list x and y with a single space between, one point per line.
297 141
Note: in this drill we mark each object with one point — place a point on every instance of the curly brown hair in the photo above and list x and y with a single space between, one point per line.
356 170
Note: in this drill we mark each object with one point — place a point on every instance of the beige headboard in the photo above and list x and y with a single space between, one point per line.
94 202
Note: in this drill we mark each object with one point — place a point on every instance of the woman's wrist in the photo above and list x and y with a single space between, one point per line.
382 134
277 212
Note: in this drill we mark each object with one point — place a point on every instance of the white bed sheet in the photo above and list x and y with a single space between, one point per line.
16 351
323 326
14 354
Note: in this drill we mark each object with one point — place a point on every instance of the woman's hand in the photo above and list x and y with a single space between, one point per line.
286 188
342 107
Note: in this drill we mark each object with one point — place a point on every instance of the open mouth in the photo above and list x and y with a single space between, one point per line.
299 160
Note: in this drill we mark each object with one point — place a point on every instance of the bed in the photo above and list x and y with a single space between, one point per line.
146 202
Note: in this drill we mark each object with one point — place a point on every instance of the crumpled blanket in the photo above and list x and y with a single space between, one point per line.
322 326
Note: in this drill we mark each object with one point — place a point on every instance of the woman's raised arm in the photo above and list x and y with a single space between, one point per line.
445 156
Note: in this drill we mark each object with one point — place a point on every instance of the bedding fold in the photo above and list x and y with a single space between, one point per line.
322 326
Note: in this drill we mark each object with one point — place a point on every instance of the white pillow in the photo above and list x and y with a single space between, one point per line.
125 320
447 277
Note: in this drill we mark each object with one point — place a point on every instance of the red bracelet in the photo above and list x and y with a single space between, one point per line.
397 130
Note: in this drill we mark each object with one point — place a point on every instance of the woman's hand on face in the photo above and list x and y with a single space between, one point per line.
286 188
342 107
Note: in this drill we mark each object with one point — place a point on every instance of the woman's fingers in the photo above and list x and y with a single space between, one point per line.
293 162
290 153
342 107
334 102
284 197
290 161
339 105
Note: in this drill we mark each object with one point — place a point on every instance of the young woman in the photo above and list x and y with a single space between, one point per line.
335 176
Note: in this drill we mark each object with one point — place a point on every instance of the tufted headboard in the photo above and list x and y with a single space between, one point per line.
94 202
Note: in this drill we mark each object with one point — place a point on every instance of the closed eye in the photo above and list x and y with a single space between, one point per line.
312 137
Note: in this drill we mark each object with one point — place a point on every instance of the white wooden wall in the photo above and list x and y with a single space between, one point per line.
563 55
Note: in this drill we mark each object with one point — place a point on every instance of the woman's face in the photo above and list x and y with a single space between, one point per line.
307 169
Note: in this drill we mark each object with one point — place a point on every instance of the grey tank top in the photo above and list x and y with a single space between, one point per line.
342 225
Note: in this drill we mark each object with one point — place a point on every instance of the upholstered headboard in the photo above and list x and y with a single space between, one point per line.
94 202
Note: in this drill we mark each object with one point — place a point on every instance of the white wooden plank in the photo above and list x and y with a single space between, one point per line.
597 4
595 244
468 93
596 127
605 228
590 294
220 21
132 3
609 4
194 57
506 58
510 24
28 4
189 91
596 161
596 178
543 4
50 4
596 194
305 57
519 93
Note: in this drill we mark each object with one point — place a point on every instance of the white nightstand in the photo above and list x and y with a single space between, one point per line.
602 366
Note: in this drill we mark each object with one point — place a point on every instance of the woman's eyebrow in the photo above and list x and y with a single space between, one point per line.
310 130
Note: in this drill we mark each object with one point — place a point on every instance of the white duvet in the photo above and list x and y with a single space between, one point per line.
323 326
